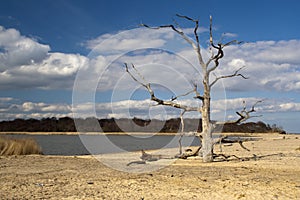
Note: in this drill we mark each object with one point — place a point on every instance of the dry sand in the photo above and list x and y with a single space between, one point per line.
276 176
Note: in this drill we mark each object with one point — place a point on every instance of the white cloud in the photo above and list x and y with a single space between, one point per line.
290 106
14 106
237 63
270 66
230 35
125 41
61 64
5 99
19 50
57 70
43 107
143 108
25 63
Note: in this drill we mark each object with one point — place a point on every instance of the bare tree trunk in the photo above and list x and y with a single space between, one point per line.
207 141
207 144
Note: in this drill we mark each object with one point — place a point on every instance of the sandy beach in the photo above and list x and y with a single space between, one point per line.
275 174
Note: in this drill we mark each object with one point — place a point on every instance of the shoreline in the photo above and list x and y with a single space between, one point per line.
83 133
137 133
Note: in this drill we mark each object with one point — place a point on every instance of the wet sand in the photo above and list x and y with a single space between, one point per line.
276 175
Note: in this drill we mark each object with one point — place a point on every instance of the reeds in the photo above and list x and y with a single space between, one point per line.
23 146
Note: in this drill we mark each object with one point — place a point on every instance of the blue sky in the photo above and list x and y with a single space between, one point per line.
44 44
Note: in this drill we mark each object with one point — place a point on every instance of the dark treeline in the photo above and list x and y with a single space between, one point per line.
67 124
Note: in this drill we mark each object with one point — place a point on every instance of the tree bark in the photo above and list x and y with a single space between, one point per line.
207 140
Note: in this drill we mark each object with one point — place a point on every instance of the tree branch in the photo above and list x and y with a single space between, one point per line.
182 130
243 115
220 53
197 94
151 92
198 49
219 47
229 76
174 29
196 46
133 77
182 95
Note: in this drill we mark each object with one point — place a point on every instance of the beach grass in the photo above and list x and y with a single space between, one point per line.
22 146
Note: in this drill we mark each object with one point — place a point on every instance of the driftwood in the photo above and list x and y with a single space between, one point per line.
253 157
136 162
189 153
237 139
150 158
147 157
153 157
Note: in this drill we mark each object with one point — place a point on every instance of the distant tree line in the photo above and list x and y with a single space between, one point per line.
67 124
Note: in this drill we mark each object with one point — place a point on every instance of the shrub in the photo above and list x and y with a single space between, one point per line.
24 146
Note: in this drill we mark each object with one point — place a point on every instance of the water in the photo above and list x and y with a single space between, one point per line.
99 144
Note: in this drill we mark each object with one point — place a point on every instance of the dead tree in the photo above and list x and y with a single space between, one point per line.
207 67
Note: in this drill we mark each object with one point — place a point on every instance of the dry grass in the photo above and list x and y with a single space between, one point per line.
24 146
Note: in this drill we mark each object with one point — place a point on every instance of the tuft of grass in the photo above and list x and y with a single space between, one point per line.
23 146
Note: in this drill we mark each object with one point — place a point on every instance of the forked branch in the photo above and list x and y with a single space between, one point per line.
194 90
236 73
219 48
243 114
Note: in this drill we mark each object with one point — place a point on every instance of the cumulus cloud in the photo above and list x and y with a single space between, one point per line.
36 107
14 108
270 65
125 41
57 70
19 50
221 109
26 63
